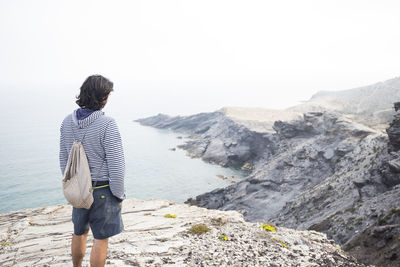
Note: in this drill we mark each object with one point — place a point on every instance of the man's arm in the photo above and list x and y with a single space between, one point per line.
63 154
115 159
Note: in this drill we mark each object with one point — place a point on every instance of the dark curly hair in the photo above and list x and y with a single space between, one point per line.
94 92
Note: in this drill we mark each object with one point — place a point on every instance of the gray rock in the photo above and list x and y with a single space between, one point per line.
151 239
344 148
216 138
394 133
329 153
324 172
370 105
394 165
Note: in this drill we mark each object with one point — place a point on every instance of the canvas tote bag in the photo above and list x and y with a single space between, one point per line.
77 181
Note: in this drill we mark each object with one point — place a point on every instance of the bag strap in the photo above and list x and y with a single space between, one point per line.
73 133
83 137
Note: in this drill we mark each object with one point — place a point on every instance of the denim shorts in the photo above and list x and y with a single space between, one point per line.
103 217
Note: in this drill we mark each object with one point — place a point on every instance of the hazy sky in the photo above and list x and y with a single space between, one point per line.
191 56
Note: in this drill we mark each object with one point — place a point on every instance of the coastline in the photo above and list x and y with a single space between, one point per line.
152 170
322 172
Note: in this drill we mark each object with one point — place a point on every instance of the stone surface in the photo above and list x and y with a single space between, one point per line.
297 162
41 237
323 172
216 138
370 105
394 133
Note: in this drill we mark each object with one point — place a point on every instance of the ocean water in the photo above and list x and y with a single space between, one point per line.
29 168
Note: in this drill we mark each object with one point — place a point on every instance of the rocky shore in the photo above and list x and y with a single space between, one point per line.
216 138
158 233
322 172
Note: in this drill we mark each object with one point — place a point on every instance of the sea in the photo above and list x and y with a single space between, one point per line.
155 168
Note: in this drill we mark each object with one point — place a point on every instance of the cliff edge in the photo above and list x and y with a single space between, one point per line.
321 172
41 237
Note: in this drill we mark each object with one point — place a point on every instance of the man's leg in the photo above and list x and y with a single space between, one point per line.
99 252
78 248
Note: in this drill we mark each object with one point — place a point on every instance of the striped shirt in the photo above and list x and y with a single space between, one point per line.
103 146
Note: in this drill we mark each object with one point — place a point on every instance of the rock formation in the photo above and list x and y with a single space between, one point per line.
216 138
370 104
323 172
394 131
42 236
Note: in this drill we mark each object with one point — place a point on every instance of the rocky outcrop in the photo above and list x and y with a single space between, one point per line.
323 172
378 245
370 105
216 138
394 131
306 152
331 205
378 240
41 237
391 168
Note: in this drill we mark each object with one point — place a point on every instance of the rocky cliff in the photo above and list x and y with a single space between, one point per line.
216 138
323 172
162 233
371 104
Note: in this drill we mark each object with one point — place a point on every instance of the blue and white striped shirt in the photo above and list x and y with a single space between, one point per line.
103 146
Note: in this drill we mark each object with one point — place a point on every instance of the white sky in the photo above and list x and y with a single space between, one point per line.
182 57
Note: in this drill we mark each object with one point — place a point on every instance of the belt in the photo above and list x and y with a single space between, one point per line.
100 184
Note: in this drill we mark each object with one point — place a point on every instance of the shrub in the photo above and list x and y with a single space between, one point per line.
395 211
280 241
381 220
199 229
223 238
268 227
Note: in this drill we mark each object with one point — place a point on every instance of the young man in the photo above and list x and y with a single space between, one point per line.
101 140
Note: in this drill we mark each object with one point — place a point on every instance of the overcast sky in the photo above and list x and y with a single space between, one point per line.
189 56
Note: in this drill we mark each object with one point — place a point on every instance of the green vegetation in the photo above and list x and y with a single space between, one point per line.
352 209
247 167
352 218
268 227
223 238
359 221
395 211
280 241
381 220
384 219
169 215
199 229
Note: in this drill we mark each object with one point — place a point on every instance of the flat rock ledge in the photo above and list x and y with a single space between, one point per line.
42 236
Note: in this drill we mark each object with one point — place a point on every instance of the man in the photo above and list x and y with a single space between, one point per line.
102 142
